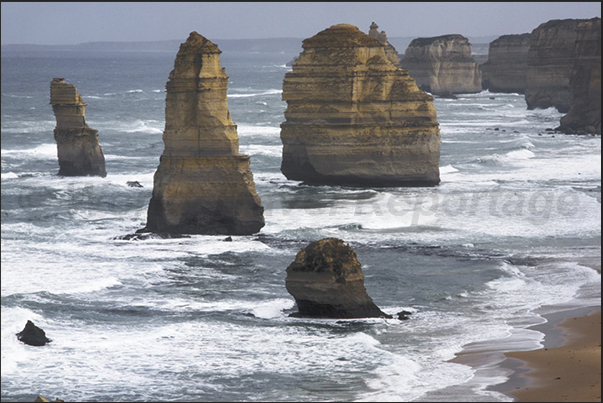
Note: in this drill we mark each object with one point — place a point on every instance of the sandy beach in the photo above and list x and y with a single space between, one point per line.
570 372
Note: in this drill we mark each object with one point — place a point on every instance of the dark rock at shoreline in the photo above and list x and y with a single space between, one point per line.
33 335
326 281
143 234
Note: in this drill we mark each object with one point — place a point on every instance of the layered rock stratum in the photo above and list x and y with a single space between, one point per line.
326 281
78 149
507 66
203 185
353 118
584 114
443 65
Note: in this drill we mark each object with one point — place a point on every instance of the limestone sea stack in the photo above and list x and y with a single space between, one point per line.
326 281
443 65
507 66
390 50
584 114
355 119
202 184
78 149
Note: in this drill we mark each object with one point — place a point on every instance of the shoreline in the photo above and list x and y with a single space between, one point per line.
567 367
568 372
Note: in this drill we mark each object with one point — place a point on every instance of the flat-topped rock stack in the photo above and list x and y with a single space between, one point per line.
443 65
507 66
78 150
203 185
354 118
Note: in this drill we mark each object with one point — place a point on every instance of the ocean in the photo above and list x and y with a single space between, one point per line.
499 244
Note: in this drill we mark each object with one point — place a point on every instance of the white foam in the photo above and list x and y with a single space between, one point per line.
256 94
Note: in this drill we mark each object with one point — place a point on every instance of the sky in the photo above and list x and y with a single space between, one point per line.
70 23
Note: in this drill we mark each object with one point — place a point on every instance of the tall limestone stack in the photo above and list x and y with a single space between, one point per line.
78 149
507 66
584 115
443 65
390 51
202 184
353 118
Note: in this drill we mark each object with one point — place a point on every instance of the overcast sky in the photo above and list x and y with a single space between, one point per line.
72 23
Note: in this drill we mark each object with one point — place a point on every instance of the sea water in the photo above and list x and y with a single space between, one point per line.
477 260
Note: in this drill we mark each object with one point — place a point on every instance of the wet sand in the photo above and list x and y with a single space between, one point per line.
570 372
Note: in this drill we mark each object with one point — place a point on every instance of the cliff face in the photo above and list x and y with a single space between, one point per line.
584 115
507 66
202 184
78 149
550 63
326 281
353 118
390 51
442 65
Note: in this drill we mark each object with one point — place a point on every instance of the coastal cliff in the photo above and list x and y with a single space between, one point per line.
353 118
443 65
507 66
550 64
78 149
584 114
202 184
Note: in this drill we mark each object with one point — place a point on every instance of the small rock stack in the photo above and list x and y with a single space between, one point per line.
326 281
77 144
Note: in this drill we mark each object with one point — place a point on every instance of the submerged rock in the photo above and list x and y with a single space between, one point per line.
202 184
33 335
354 118
443 64
326 281
78 149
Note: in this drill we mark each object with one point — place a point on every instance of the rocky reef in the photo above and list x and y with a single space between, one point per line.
443 65
584 114
78 149
507 66
326 281
353 118
390 50
202 184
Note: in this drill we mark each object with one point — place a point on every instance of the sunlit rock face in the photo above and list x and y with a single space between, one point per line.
443 65
353 118
584 114
78 149
507 66
202 184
